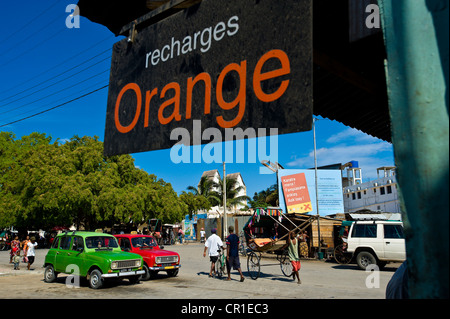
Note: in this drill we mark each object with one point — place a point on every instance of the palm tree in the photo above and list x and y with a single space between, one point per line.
232 191
206 188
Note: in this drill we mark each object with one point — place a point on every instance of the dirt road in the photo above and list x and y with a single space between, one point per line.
320 280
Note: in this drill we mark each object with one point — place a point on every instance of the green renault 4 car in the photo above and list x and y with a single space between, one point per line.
96 256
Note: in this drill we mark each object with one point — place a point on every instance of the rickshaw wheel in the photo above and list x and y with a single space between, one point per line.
253 265
341 256
285 264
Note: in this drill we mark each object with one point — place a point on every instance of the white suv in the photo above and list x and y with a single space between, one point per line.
376 242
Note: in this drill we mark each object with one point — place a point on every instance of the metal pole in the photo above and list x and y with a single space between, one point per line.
317 193
224 191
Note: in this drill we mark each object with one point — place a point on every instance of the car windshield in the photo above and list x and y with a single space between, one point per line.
144 242
101 242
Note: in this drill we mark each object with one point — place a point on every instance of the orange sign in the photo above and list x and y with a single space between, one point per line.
296 194
211 64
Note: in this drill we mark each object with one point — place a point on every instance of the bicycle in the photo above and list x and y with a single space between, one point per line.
221 264
242 244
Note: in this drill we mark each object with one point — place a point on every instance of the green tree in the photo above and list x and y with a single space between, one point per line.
232 192
195 202
206 188
46 184
265 198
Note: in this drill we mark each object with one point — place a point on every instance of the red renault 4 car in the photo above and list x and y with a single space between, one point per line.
155 258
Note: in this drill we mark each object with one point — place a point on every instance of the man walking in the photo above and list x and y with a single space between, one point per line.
213 243
293 255
233 253
31 252
202 235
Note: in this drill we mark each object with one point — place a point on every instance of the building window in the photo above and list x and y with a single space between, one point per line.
353 196
389 189
359 195
374 190
365 192
382 191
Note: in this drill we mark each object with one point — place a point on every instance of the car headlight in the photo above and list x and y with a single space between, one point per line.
114 265
138 263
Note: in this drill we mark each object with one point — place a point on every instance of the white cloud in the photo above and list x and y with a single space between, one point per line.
350 145
351 134
63 140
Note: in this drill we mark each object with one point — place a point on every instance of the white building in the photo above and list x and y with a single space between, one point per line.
378 195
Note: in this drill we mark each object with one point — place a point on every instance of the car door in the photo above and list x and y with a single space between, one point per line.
365 235
394 242
75 257
50 258
62 253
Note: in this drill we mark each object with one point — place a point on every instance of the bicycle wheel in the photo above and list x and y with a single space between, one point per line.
253 265
242 246
341 256
242 251
219 267
285 264
224 265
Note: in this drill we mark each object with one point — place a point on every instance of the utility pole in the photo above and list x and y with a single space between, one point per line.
317 193
224 193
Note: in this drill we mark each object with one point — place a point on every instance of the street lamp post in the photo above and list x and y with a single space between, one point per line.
224 193
317 193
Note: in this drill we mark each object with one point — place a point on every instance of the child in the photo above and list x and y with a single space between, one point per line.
16 258
293 256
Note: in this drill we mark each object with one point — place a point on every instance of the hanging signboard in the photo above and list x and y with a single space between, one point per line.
243 64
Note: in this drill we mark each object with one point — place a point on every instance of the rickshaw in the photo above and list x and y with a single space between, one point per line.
340 251
266 232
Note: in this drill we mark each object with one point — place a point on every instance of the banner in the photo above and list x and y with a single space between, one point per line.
294 198
296 194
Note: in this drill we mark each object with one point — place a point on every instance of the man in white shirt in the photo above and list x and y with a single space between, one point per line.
213 243
202 235
30 252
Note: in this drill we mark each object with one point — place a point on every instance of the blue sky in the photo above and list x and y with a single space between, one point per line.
44 64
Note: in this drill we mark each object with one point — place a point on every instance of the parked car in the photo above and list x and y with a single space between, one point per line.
155 257
376 242
96 256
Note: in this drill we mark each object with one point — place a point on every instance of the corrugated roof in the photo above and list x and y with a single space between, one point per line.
368 216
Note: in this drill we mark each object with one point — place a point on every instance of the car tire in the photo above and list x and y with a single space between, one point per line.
364 259
153 274
50 274
95 279
172 272
146 275
134 279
